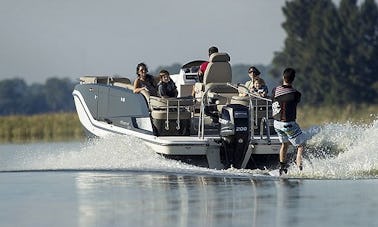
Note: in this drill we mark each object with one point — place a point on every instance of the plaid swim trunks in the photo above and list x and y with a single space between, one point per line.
289 132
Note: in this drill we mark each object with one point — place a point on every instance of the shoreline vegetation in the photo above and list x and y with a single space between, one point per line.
361 114
40 127
66 126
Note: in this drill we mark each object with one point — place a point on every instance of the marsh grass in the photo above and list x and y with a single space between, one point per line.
66 126
308 116
42 127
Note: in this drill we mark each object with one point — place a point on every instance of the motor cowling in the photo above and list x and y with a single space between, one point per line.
235 134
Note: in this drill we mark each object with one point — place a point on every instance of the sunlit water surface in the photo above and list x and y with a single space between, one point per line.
120 182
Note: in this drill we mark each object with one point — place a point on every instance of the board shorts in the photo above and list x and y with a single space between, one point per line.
289 132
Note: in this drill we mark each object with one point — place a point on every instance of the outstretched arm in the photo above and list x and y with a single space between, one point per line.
137 87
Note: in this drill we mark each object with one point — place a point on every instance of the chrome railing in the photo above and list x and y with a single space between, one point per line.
169 104
253 102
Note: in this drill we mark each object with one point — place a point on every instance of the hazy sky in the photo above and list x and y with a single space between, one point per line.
69 38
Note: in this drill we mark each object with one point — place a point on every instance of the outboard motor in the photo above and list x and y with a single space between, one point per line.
235 134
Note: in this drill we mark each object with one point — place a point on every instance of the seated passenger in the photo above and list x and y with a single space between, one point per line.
144 81
253 74
166 87
259 88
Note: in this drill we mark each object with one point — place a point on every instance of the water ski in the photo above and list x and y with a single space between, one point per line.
276 173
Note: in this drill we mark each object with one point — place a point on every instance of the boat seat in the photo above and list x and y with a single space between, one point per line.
161 103
244 100
124 85
220 94
217 74
94 80
174 122
122 82
162 115
218 70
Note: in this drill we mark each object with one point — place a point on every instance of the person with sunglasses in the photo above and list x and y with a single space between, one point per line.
254 74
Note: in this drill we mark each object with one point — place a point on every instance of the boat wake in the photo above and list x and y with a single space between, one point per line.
341 151
115 154
334 151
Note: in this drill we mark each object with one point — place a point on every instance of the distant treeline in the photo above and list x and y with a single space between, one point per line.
55 95
334 50
16 97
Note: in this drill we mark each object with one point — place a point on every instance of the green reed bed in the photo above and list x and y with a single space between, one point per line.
360 114
66 126
43 127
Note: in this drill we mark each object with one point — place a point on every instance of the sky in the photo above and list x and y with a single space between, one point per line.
41 39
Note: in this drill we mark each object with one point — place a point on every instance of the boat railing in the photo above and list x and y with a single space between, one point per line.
265 124
254 103
264 120
170 106
204 99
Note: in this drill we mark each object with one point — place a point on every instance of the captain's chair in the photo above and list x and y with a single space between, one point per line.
218 70
217 74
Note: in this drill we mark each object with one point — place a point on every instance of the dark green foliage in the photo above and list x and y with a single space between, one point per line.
12 95
58 94
16 97
368 50
334 50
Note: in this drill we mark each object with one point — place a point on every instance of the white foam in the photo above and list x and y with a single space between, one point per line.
112 153
347 151
334 151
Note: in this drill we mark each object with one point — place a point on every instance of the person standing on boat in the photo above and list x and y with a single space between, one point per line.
285 99
144 81
166 87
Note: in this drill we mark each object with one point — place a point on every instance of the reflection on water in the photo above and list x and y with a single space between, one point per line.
127 198
174 200
120 182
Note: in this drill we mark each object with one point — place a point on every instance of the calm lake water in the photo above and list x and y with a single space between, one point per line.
120 182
